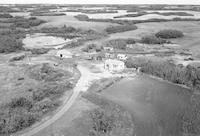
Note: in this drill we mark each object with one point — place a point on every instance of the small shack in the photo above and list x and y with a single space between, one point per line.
114 65
63 54
106 48
109 55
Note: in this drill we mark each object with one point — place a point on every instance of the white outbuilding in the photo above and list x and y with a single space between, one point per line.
64 54
122 57
114 65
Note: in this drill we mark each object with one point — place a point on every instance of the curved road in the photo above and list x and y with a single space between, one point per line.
86 79
81 85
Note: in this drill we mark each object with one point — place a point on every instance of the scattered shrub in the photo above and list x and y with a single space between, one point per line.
45 73
168 33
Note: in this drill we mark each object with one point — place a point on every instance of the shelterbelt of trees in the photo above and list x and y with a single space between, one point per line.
179 74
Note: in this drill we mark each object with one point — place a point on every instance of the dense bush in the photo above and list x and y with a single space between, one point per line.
10 44
120 28
5 16
21 102
40 51
168 33
152 40
13 32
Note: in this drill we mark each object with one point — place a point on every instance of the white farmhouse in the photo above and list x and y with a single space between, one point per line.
63 54
114 65
122 56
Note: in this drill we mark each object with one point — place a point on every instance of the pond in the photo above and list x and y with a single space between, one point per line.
154 104
99 15
39 40
144 17
23 14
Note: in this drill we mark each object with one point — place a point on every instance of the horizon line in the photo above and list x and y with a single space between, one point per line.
97 4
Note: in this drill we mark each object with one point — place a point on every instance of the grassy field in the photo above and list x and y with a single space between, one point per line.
14 79
190 30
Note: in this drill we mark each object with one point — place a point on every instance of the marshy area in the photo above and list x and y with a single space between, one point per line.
42 46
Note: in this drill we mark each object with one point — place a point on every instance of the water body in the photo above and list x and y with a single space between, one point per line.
144 17
154 104
40 40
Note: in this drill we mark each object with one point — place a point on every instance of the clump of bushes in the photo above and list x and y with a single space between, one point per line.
130 41
153 40
39 51
120 43
117 43
17 58
120 28
109 118
168 33
82 17
92 47
25 22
